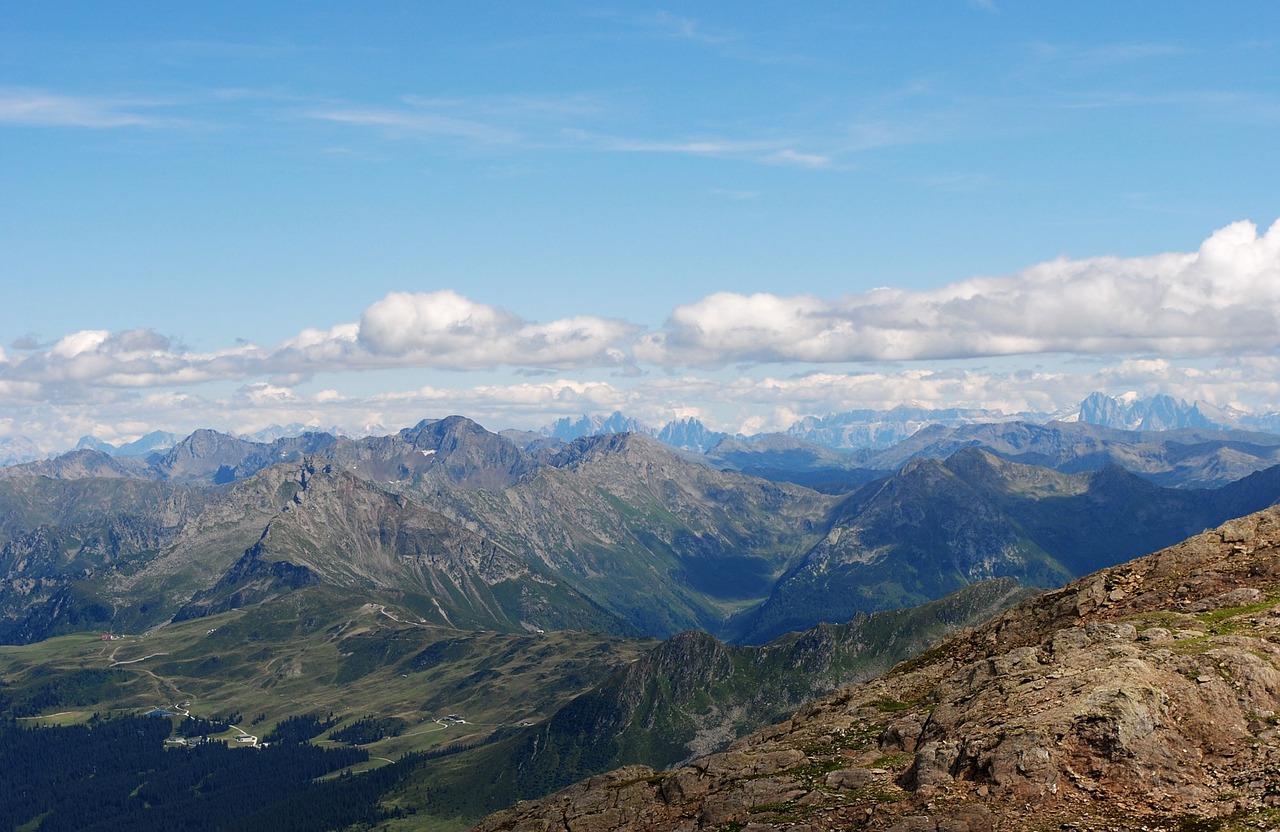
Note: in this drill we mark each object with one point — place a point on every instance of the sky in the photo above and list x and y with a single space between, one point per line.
232 214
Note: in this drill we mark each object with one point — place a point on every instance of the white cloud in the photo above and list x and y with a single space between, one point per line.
448 330
483 120
806 160
764 151
35 108
415 121
744 403
1200 326
78 343
442 330
1222 300
692 147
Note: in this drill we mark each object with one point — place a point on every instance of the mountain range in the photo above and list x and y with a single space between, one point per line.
617 532
493 601
863 429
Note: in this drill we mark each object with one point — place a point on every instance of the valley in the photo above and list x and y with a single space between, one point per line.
506 618
1140 697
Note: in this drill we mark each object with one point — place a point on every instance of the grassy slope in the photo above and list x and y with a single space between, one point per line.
690 695
319 651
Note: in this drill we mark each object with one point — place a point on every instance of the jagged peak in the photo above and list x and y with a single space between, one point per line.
618 446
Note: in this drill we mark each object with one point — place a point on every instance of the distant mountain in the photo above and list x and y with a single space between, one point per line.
690 434
855 429
1162 412
687 434
155 441
667 542
570 429
130 553
866 433
882 429
784 458
273 432
80 464
453 450
1187 457
15 450
91 443
159 440
1159 413
342 531
207 456
935 526
1184 458
655 535
530 440
657 539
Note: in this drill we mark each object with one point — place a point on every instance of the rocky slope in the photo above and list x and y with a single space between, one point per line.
342 531
1144 696
665 542
692 695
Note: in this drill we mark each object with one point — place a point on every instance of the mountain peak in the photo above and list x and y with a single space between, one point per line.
586 449
570 429
1160 412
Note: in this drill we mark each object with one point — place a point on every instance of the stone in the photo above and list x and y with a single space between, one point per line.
849 778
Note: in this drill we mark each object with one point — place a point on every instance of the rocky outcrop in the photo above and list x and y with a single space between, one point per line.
1141 697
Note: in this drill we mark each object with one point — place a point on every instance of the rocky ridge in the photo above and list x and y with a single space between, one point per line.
1144 696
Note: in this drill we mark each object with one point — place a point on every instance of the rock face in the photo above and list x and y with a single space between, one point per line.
1160 413
1141 697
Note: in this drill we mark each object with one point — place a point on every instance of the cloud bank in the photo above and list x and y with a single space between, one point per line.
1199 325
440 330
1221 300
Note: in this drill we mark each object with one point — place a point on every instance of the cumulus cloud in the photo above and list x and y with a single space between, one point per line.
443 330
1223 299
1203 325
446 329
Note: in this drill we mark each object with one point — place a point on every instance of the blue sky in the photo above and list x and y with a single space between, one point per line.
227 215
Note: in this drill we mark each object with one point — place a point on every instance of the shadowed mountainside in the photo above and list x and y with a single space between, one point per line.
937 525
1139 697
